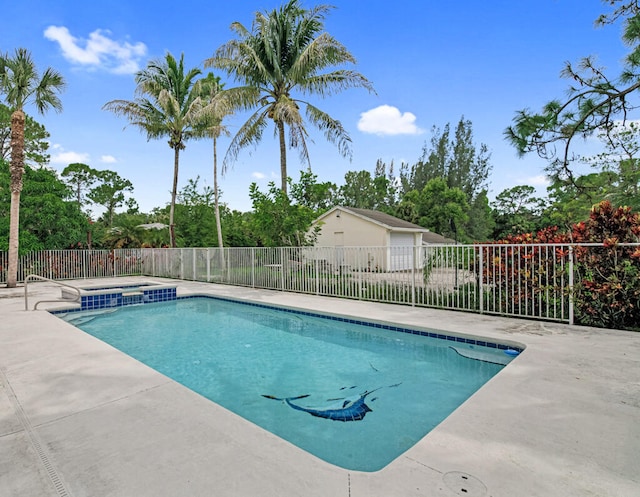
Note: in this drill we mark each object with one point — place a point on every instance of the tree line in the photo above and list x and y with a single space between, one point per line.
285 55
444 190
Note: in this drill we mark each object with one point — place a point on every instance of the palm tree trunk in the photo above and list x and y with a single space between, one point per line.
14 235
17 170
217 201
174 193
283 156
216 198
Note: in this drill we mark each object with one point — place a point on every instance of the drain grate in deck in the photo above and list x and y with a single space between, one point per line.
464 484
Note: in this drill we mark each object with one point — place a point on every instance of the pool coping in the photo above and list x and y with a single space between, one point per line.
561 419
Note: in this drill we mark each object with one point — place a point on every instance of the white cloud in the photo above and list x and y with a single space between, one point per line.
388 120
69 158
257 175
108 159
61 156
99 51
539 180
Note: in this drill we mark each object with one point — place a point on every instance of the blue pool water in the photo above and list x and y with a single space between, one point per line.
373 392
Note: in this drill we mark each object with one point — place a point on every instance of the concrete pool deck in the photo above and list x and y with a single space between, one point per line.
81 419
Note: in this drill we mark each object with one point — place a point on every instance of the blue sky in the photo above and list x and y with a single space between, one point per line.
430 63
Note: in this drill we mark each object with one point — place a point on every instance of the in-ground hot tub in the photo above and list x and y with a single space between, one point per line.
104 297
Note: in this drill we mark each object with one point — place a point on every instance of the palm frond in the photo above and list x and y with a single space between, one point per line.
333 130
334 82
20 82
46 91
249 134
298 141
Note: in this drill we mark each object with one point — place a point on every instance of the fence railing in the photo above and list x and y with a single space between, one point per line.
532 280
75 264
479 278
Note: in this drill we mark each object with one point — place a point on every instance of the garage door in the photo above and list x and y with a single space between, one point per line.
401 256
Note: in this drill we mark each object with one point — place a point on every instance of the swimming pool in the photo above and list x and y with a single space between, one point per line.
354 395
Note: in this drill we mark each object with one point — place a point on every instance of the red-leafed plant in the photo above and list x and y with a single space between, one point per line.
530 273
607 291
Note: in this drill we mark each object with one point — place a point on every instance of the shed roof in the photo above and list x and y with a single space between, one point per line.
386 220
395 222
391 222
432 237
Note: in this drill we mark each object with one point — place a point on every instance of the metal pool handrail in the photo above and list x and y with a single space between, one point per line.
42 278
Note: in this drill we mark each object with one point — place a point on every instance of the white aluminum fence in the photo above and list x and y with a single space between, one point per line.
533 280
75 264
515 280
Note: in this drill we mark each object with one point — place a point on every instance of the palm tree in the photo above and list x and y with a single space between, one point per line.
167 105
286 50
128 234
20 84
213 113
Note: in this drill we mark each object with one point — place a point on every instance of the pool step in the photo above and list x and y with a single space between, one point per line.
132 298
85 317
67 294
492 356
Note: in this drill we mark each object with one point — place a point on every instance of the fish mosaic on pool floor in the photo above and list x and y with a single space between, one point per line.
353 409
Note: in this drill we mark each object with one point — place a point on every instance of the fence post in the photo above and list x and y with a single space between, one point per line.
180 254
570 285
316 266
253 267
225 264
208 265
360 270
480 281
282 268
414 269
194 277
